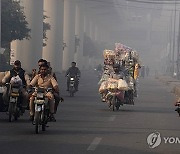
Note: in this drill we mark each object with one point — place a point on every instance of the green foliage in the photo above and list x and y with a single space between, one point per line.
14 24
46 26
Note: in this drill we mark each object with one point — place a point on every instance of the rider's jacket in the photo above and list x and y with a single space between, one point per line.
119 75
73 71
22 74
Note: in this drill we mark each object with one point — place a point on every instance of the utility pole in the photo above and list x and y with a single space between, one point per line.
178 48
170 40
0 24
174 38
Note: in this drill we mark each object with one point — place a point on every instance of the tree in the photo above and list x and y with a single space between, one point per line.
14 24
46 26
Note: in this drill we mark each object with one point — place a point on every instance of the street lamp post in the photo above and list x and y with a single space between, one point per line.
178 48
0 24
174 37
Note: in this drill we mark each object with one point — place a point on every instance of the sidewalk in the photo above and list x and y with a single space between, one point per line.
172 83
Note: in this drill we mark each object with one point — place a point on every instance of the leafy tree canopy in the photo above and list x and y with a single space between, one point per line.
13 22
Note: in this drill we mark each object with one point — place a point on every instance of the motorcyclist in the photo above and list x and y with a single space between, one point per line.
73 71
17 71
36 71
56 95
44 80
118 72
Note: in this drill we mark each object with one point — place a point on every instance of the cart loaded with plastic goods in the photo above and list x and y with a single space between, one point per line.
119 87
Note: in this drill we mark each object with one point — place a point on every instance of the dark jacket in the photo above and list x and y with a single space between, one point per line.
73 71
21 73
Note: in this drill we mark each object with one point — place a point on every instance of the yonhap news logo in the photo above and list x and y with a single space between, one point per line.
155 139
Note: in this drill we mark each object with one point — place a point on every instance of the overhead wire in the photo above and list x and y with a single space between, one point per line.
112 4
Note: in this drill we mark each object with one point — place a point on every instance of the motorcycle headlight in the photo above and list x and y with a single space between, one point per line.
40 95
72 79
131 83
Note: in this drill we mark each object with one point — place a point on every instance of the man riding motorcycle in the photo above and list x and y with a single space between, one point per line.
73 71
17 71
117 74
56 95
44 80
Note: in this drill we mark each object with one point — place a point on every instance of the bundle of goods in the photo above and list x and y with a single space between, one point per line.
113 85
103 87
109 57
122 85
125 57
109 54
16 80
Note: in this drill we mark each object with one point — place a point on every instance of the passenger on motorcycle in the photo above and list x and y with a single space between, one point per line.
73 71
56 95
25 80
36 71
44 80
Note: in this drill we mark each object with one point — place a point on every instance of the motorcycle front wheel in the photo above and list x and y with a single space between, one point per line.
36 120
71 91
43 119
11 111
113 103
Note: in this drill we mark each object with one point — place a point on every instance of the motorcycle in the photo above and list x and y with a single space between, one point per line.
41 108
118 97
14 109
178 108
72 83
115 98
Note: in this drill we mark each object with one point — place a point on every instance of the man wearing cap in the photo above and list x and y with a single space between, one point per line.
17 71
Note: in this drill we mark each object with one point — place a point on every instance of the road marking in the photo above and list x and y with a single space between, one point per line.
112 118
94 144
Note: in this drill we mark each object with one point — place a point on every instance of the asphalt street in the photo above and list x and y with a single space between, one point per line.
86 125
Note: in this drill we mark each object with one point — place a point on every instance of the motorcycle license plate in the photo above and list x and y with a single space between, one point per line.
38 108
15 90
72 84
12 100
40 95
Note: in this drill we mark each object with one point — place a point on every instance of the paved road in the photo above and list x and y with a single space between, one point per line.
86 125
